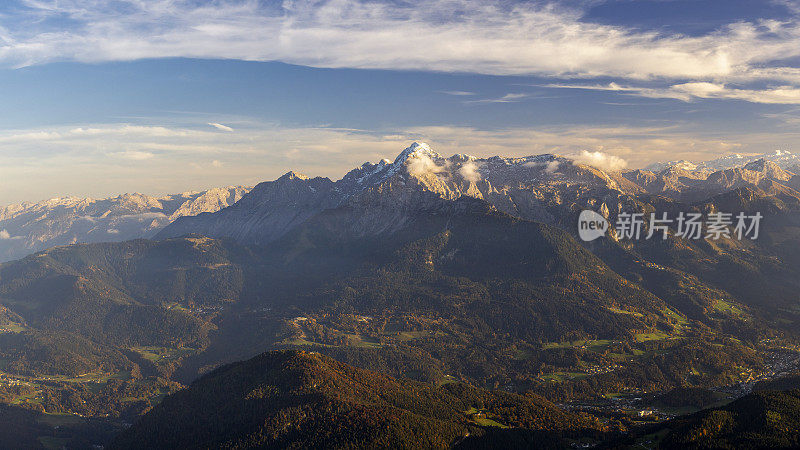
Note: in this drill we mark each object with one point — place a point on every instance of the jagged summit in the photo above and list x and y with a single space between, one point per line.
462 157
416 149
292 175
762 165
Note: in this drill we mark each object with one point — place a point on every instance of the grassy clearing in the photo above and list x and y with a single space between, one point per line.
27 398
675 317
591 345
12 328
728 308
622 357
302 342
175 306
405 336
622 311
91 377
485 422
447 379
355 340
162 354
523 355
563 376
655 336
480 417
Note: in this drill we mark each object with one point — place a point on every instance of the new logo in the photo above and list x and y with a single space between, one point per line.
591 225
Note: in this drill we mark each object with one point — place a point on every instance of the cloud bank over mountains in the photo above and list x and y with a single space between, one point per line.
172 158
120 157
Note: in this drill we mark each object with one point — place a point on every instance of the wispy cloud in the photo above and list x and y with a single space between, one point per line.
134 155
220 126
790 117
493 37
457 93
786 95
508 98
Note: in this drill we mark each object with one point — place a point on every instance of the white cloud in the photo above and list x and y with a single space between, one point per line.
508 98
600 160
133 155
4 234
458 93
489 37
774 95
470 172
420 165
220 126
549 167
787 95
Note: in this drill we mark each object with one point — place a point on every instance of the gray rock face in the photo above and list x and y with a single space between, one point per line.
386 195
30 227
679 183
270 210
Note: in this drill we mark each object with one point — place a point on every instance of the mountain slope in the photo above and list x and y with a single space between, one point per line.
303 400
765 419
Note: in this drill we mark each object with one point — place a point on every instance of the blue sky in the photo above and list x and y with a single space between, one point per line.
157 96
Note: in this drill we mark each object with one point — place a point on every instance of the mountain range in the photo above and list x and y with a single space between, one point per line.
534 188
782 158
26 228
431 270
545 188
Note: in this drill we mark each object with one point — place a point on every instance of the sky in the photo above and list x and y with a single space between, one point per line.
99 98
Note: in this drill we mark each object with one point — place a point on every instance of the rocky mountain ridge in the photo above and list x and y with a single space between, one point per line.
544 188
33 226
532 187
782 158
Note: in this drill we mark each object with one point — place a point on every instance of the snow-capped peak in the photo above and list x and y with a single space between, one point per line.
463 157
681 164
416 149
783 158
